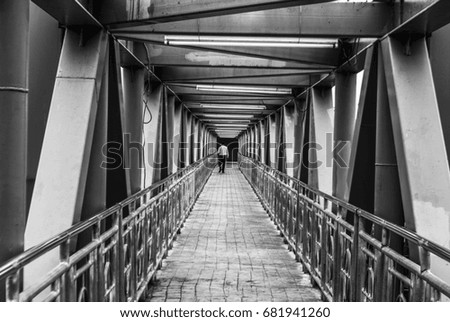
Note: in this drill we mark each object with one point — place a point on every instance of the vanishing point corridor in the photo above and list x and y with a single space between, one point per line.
229 250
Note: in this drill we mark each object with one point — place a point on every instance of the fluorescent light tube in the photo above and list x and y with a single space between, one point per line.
244 89
226 116
287 42
234 106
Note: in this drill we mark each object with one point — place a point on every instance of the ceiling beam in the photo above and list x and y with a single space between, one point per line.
161 55
313 56
225 99
330 19
280 81
178 74
190 89
119 12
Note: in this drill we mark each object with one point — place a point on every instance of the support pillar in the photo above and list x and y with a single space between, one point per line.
439 53
273 148
361 172
14 44
61 178
133 90
320 174
388 199
152 127
177 119
344 121
419 143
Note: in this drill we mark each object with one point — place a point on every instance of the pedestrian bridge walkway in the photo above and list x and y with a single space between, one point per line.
230 250
202 236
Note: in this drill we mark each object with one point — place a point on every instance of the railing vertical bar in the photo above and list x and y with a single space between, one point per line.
354 276
13 282
133 260
120 259
381 270
324 249
67 287
95 274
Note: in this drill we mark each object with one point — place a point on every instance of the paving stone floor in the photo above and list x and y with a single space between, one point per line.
229 250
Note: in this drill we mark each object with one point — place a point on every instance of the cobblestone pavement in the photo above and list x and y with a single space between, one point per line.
229 250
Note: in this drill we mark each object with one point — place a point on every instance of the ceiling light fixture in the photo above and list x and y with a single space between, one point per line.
226 116
244 89
225 125
234 106
238 41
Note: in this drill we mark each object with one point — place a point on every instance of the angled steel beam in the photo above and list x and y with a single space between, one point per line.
158 11
195 98
344 121
153 106
313 56
179 74
361 170
68 12
321 138
387 195
276 80
419 143
67 144
161 55
133 90
341 20
294 134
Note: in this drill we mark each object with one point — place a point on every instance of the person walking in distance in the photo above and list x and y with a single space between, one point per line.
223 154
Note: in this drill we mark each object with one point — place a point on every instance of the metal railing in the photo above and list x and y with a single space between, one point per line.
351 259
126 245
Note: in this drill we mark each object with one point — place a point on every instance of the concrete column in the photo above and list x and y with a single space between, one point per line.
151 134
58 194
439 53
293 137
273 148
133 90
320 172
419 144
177 119
344 121
262 130
298 136
388 198
361 172
14 44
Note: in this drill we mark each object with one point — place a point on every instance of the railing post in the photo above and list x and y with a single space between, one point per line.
337 258
96 277
154 250
298 247
67 288
166 224
419 293
119 260
133 261
13 287
381 270
355 278
146 237
324 246
306 252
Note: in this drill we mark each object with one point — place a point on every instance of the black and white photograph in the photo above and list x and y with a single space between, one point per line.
225 159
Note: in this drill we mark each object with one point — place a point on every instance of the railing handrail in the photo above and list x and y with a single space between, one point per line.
404 232
36 251
360 259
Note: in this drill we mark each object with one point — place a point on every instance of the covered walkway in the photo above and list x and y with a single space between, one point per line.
229 250
112 111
